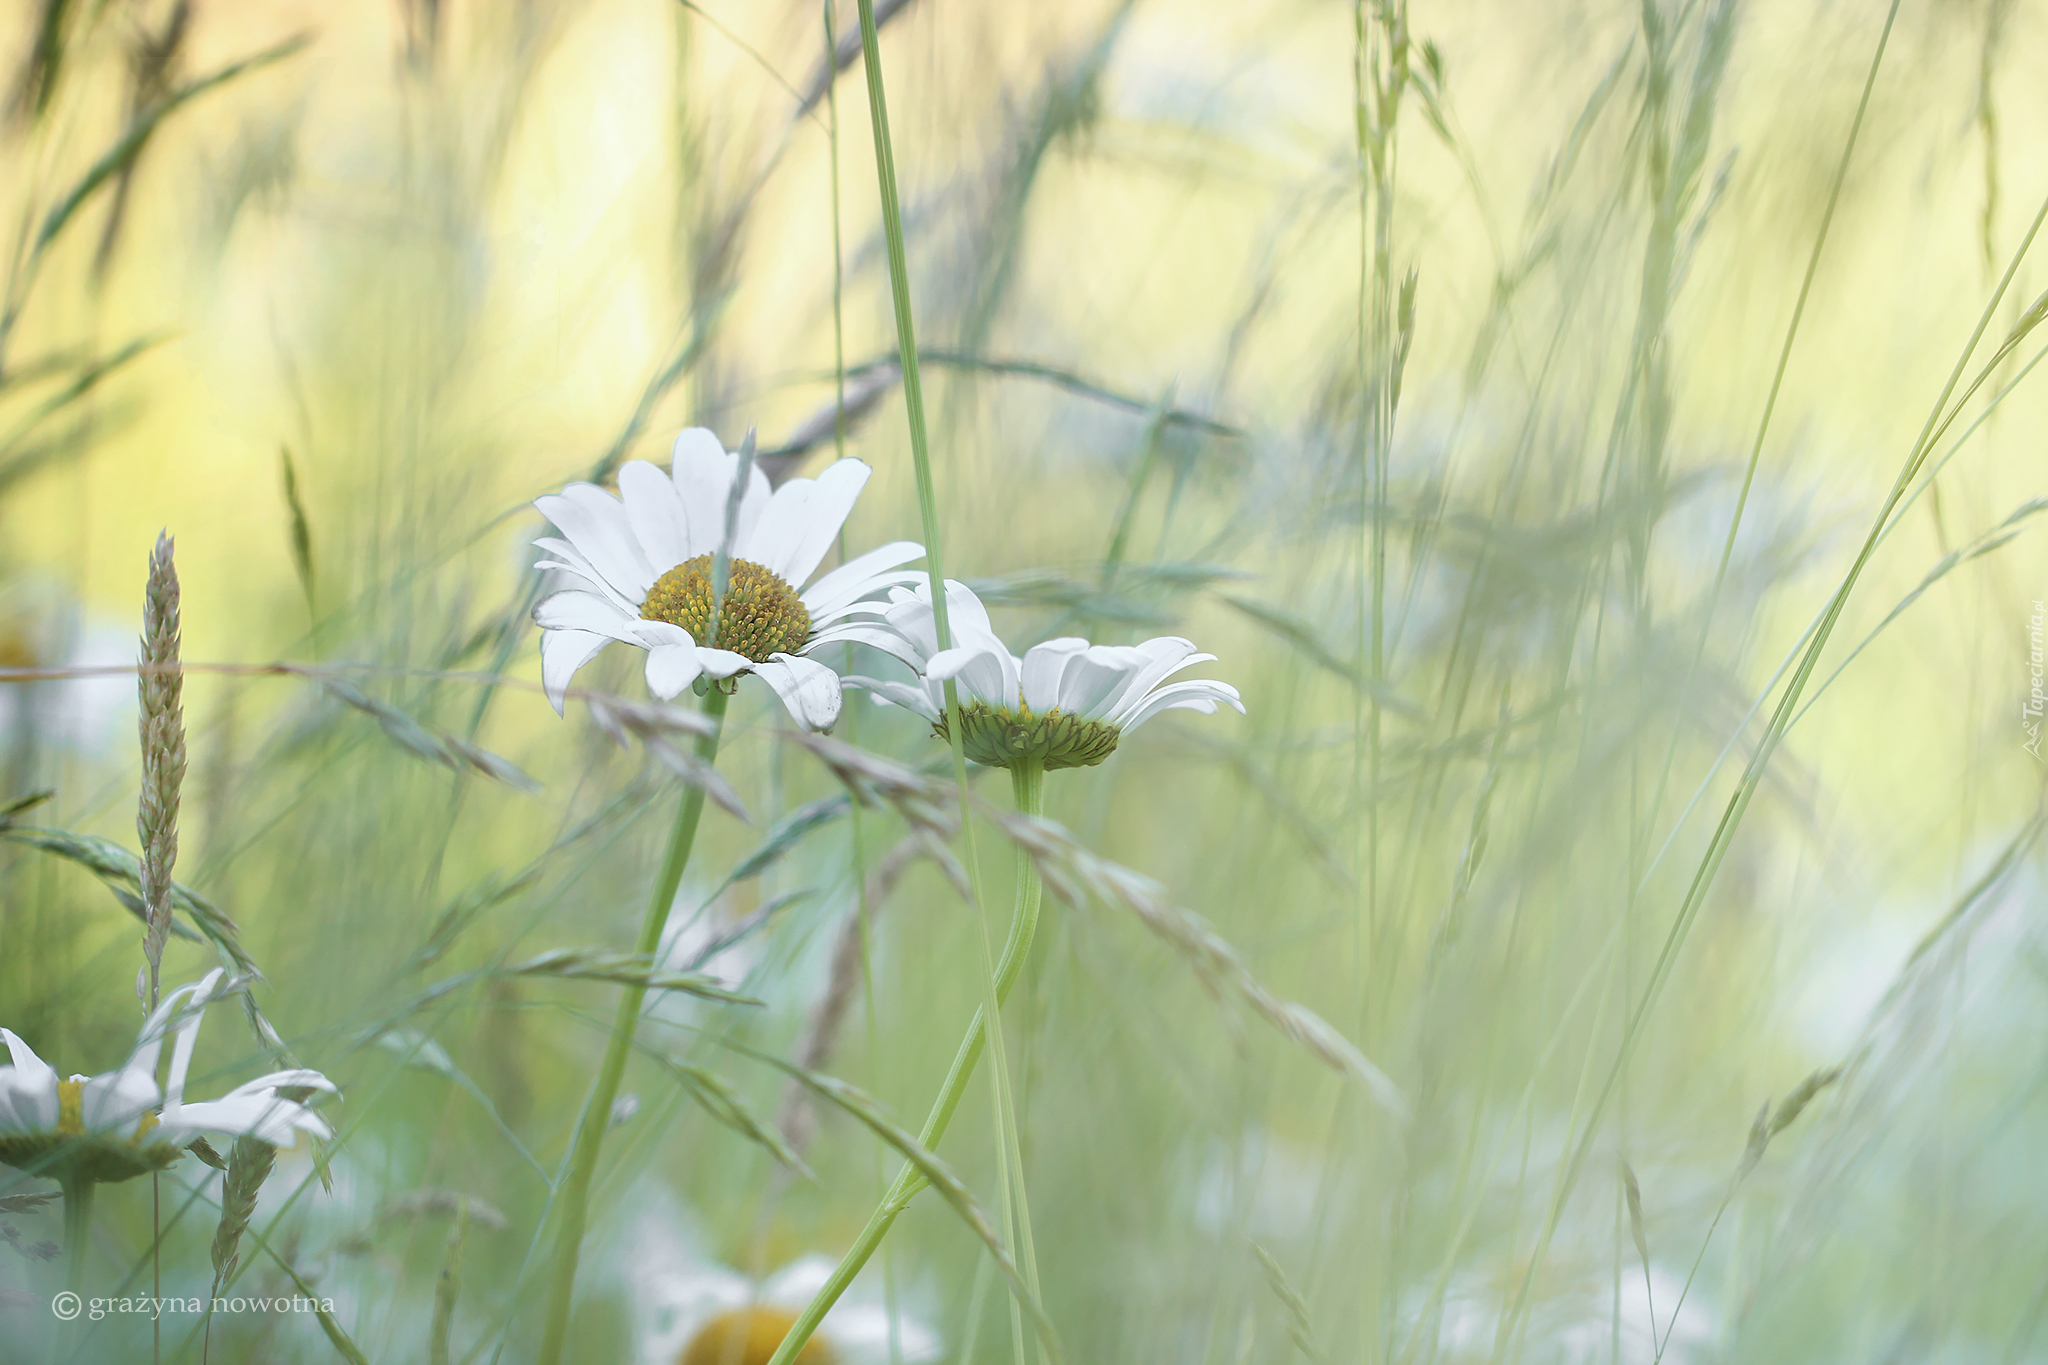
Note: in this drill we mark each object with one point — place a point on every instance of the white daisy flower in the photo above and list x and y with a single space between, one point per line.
693 1311
117 1125
1066 702
642 562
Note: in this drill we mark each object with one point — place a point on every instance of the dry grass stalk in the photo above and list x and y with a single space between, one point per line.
1074 874
658 726
798 1120
161 683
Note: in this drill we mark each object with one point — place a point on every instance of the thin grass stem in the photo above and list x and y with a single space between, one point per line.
996 978
597 1111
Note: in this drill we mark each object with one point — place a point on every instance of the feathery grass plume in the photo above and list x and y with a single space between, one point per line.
625 969
439 1202
447 1286
657 726
25 1203
301 530
162 723
1632 1193
153 61
1074 874
249 1164
1298 1327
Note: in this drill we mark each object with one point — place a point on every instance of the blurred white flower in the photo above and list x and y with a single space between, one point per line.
693 1311
643 561
40 628
1066 702
118 1124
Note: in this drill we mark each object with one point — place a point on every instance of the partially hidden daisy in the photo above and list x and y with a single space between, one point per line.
699 1313
1066 703
116 1125
642 565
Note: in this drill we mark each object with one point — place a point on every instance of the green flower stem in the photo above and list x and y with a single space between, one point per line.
598 1112
1027 781
997 978
77 1230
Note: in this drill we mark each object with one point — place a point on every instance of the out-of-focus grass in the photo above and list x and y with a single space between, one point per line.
452 257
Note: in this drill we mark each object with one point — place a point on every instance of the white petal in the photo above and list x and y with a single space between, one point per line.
1195 695
867 633
723 663
797 1283
655 634
303 1077
586 611
116 1099
595 523
853 580
562 652
564 556
752 507
1040 674
982 670
809 689
1096 681
28 1089
188 1037
860 1335
26 1064
799 535
897 694
702 472
671 668
772 539
869 606
143 1059
266 1116
911 614
964 611
656 515
1163 657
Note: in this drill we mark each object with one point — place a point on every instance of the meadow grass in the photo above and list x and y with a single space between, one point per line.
1597 441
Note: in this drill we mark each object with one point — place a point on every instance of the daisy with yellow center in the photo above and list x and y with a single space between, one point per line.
696 1313
117 1125
1066 704
642 567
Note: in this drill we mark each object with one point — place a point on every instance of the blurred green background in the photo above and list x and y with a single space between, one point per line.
438 258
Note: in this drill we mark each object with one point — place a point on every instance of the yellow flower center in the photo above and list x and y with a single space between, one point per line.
761 614
17 649
70 1108
997 737
69 1152
749 1336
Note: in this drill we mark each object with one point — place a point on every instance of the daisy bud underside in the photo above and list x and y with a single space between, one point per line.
69 1150
999 738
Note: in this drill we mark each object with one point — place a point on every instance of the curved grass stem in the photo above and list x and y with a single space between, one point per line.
1028 784
996 978
597 1111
